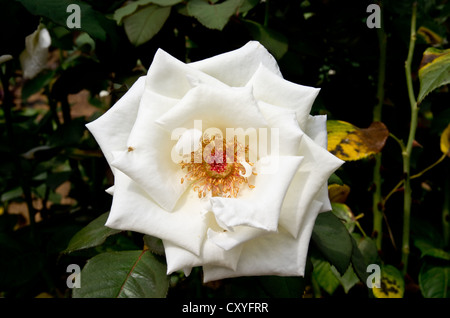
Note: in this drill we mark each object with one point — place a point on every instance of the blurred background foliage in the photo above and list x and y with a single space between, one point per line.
53 176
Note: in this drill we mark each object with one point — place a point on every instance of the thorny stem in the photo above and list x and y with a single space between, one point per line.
377 114
407 152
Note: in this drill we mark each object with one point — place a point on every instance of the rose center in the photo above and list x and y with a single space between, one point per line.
220 173
218 166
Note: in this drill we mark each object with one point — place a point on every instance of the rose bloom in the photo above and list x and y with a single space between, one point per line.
236 205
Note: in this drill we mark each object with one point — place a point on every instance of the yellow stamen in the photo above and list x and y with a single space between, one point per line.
220 174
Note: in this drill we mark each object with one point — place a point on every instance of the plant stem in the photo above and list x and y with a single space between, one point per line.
266 14
412 177
376 199
429 167
446 210
377 113
408 150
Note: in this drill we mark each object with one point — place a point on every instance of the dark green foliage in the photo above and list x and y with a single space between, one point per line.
324 44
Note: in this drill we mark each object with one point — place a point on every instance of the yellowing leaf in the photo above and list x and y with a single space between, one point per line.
338 193
434 71
392 283
430 36
350 143
445 141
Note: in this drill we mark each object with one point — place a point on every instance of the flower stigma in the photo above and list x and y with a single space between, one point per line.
219 167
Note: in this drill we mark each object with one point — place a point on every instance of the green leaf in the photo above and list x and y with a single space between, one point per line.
247 5
324 276
12 194
434 281
434 71
343 212
334 179
131 7
166 3
126 274
143 24
428 249
362 256
213 16
328 277
348 280
128 9
94 234
368 248
333 240
275 42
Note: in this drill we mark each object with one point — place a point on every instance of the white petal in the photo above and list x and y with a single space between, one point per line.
147 158
314 171
112 129
35 55
110 190
178 258
230 239
323 197
172 78
272 89
316 129
284 134
259 207
134 210
273 254
235 68
216 108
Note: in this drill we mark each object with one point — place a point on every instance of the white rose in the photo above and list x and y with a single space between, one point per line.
35 55
247 216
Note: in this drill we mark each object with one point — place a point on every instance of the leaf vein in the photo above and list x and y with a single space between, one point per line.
130 272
